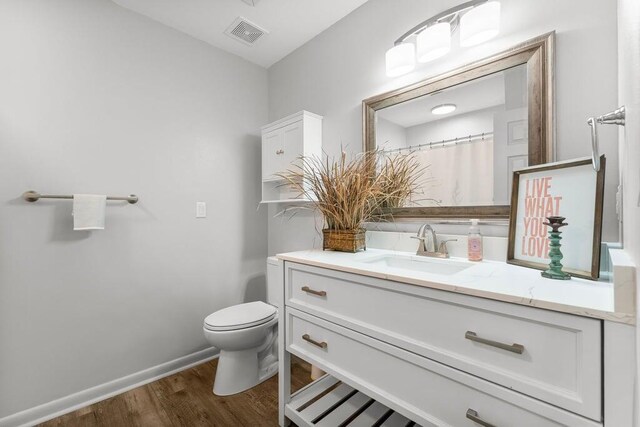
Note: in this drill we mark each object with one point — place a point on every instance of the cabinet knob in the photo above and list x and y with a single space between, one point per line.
280 152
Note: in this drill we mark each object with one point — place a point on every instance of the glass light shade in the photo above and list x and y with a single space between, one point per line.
480 24
400 59
434 42
444 109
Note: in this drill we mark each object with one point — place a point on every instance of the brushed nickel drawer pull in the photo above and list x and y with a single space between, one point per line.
473 416
513 348
308 339
311 291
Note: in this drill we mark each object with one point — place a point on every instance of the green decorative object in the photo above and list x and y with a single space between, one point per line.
555 266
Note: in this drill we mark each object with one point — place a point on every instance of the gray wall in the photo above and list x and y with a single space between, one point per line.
390 135
470 123
98 99
334 72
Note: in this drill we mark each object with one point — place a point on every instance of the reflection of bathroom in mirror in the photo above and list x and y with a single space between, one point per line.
469 137
496 116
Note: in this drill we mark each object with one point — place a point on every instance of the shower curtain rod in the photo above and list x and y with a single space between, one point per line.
444 142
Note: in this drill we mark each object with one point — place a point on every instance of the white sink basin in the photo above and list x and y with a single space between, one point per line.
444 267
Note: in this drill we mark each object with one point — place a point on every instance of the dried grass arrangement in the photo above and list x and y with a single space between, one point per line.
341 190
350 192
398 179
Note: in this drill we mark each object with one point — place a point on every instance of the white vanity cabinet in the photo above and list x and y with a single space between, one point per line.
283 142
436 357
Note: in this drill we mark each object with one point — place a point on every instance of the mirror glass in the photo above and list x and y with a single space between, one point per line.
469 138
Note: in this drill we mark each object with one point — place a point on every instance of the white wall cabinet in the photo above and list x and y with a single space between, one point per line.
283 142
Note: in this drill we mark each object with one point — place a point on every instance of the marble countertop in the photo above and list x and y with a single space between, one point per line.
489 279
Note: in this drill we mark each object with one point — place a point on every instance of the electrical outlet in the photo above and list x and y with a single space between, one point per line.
201 210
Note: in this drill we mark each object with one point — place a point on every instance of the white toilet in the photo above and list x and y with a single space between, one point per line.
247 337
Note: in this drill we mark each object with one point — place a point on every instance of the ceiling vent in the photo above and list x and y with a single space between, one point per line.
244 31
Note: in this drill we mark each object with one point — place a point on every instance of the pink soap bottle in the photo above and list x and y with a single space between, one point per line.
474 242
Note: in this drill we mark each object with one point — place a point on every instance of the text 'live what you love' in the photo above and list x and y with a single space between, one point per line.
538 204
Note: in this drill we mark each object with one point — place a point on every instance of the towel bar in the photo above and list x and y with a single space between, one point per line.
616 117
34 196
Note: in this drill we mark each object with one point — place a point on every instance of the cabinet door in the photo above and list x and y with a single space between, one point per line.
272 153
292 145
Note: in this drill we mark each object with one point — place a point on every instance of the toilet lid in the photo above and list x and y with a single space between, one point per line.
240 316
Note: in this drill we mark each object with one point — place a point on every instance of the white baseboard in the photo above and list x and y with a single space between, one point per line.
72 402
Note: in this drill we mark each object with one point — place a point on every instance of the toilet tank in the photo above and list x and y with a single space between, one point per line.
275 285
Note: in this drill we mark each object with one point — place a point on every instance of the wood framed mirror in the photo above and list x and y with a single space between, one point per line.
498 117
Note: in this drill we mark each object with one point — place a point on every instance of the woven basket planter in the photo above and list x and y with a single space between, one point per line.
344 240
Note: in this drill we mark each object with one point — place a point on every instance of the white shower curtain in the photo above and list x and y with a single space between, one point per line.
457 175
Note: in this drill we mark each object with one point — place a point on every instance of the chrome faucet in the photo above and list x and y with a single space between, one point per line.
437 251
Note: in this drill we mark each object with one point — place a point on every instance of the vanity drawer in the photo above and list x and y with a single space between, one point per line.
428 392
552 356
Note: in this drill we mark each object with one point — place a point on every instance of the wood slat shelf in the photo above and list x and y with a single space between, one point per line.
328 402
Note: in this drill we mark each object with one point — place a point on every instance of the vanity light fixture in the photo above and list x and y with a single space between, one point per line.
400 59
434 42
443 109
479 21
480 24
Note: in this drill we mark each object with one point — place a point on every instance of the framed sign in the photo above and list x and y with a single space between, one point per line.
571 189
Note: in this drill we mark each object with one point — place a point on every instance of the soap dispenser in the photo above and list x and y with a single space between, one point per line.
474 242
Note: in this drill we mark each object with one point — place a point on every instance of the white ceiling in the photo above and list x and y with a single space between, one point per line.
472 96
290 23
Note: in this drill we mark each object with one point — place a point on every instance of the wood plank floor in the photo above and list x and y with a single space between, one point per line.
186 399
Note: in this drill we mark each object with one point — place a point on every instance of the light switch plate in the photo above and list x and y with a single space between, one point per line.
201 209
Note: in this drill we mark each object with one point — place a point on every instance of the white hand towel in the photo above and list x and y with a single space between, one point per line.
88 211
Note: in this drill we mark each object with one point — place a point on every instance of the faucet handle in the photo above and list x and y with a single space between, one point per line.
421 246
443 246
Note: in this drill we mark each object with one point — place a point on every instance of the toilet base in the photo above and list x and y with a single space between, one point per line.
239 371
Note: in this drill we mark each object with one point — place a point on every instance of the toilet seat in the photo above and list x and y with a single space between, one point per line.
240 316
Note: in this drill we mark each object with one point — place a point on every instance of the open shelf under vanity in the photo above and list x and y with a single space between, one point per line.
328 402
